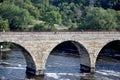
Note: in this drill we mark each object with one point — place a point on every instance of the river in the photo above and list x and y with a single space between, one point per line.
58 67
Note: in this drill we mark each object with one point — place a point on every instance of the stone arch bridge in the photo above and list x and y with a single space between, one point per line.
38 46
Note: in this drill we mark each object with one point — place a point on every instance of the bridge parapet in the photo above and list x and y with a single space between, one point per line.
66 32
30 36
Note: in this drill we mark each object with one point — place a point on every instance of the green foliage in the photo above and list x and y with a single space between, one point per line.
79 2
26 4
44 27
43 9
98 19
118 20
70 13
4 25
5 45
52 17
73 26
17 17
30 7
75 14
44 2
114 4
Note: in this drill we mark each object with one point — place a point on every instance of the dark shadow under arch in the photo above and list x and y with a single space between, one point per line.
31 67
73 48
109 54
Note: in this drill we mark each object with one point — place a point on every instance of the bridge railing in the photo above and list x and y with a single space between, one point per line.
67 32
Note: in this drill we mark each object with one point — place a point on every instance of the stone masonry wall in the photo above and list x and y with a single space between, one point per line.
40 44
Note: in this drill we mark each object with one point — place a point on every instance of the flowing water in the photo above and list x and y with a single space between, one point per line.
58 67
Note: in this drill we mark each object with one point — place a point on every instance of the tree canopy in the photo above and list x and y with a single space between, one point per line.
27 15
3 24
98 19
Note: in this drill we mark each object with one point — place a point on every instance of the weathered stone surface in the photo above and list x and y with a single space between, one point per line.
39 45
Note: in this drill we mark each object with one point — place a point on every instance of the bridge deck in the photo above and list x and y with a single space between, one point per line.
54 32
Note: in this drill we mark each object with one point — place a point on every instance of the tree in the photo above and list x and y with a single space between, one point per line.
73 26
17 17
3 24
98 19
52 17
25 4
44 27
118 20
80 2
44 2
113 4
70 13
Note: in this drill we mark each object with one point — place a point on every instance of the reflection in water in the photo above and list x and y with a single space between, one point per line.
58 67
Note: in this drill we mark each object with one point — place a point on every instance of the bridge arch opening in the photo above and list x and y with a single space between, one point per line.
68 56
18 58
108 58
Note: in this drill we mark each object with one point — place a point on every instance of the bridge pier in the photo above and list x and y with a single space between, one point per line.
84 68
34 71
92 69
39 44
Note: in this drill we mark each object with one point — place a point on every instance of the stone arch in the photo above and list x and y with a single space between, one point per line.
31 66
84 56
112 45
